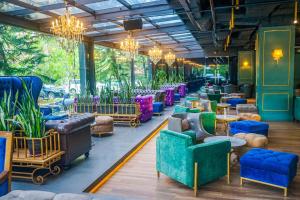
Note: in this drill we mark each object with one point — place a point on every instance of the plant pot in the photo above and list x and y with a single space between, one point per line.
36 147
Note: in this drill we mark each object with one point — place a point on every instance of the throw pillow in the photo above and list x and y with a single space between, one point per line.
185 125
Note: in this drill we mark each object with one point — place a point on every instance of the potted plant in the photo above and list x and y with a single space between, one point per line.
31 121
7 112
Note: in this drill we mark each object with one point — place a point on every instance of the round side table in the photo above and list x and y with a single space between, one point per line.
225 119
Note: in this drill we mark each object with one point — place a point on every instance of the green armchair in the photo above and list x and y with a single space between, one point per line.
208 122
214 97
193 165
181 109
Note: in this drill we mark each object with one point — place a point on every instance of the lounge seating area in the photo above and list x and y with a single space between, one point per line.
149 99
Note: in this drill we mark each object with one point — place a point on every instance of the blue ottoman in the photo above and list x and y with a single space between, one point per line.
249 126
233 102
268 167
177 97
158 108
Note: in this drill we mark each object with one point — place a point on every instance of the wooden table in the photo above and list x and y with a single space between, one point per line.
225 119
222 106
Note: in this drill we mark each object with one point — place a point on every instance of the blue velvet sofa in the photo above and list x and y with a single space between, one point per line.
5 162
269 167
179 158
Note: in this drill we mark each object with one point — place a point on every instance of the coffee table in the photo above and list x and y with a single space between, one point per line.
225 119
235 142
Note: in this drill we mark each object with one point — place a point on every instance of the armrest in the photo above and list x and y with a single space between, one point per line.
192 134
174 124
3 176
202 152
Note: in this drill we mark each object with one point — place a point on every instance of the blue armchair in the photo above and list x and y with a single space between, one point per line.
5 162
192 165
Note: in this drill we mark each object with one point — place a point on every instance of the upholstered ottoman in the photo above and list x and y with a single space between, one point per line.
176 97
249 116
235 101
102 125
246 108
253 140
249 126
268 167
158 108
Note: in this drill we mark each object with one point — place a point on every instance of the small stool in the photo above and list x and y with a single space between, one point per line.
253 140
249 116
272 168
235 101
158 108
102 125
249 126
177 98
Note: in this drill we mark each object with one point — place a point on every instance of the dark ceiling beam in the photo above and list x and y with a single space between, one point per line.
190 14
81 6
53 7
213 17
31 7
125 3
172 29
124 14
18 21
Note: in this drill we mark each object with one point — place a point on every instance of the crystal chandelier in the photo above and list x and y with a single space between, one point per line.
121 59
130 45
68 28
170 58
155 54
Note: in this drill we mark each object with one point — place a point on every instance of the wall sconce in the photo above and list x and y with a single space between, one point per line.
245 64
277 54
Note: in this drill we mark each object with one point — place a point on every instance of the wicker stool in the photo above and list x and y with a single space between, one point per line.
102 125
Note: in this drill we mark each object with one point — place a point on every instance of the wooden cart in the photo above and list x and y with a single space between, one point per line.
29 163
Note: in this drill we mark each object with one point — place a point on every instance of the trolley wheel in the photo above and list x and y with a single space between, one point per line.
39 180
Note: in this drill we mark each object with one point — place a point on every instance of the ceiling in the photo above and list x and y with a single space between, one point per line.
189 28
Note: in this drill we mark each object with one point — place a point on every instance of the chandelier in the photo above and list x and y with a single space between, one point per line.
121 59
155 54
68 28
130 45
170 58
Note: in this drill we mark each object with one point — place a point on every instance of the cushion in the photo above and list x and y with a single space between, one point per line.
249 116
253 140
193 119
249 126
235 101
270 161
104 120
2 153
185 125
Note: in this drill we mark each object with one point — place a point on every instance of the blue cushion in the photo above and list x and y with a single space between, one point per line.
269 166
177 97
2 153
158 107
233 102
249 126
55 117
4 188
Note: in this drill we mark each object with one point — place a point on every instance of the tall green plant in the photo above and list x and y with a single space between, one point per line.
30 117
7 111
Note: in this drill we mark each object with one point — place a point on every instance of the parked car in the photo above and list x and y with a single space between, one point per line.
51 92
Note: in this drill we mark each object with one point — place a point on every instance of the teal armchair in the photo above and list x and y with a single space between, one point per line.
192 165
181 109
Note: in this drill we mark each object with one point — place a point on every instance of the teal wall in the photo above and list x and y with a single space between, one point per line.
246 74
275 82
297 71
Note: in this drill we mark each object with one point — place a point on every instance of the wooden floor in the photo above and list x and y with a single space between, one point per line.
138 180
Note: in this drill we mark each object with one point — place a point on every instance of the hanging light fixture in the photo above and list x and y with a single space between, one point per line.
296 12
130 45
68 28
170 58
155 54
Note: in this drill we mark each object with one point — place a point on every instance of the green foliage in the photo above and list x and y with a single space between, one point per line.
19 51
30 117
7 111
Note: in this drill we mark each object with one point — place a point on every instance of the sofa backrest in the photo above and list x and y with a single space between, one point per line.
10 84
34 85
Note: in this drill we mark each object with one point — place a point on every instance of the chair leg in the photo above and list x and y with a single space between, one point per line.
228 168
285 192
195 178
158 174
241 181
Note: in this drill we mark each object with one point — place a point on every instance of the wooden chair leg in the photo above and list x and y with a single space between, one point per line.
158 174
